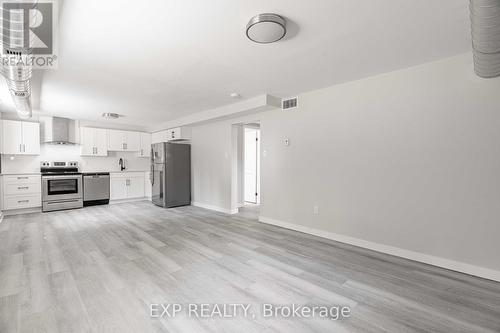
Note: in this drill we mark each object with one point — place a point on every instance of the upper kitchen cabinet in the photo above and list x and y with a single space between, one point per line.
145 149
124 141
20 138
94 141
173 134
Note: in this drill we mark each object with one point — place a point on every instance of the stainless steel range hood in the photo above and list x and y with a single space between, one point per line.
60 131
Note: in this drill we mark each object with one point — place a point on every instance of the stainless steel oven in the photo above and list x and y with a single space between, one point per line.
62 188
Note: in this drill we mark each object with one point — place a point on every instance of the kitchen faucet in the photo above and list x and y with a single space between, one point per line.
121 162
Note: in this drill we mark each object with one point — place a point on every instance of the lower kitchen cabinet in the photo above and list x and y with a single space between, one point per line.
148 188
21 192
127 185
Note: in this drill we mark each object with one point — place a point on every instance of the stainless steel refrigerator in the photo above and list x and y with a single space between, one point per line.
171 174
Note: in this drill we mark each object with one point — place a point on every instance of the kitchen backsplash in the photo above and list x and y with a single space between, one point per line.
29 164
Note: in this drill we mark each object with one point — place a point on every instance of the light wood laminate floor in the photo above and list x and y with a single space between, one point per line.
98 269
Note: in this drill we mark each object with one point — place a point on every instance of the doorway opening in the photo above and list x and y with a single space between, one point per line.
245 178
252 164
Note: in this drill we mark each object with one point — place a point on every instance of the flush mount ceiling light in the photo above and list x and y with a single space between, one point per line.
266 28
485 16
111 115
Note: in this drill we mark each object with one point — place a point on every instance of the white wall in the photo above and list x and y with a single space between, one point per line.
211 165
29 164
408 159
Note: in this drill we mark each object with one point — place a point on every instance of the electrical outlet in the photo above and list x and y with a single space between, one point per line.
316 210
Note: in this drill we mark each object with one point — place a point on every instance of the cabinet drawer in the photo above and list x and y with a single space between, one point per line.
22 201
21 188
128 175
22 179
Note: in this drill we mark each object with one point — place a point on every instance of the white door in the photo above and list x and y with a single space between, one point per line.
31 138
174 134
252 167
116 140
118 188
87 141
12 137
145 145
135 187
101 141
133 141
148 188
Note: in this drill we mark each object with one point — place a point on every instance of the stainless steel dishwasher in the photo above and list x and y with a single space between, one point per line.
96 188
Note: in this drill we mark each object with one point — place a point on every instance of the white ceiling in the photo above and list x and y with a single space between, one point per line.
157 60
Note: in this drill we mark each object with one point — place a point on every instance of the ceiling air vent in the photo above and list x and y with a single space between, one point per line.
291 103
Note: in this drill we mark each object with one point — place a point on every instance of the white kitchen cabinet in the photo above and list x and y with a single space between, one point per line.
123 140
12 137
127 185
94 141
158 137
172 134
21 192
115 140
135 187
148 187
20 137
118 188
145 148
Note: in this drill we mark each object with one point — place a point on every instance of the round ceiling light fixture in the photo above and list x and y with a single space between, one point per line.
266 28
109 115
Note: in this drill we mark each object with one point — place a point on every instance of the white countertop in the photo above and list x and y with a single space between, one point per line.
37 173
91 171
21 174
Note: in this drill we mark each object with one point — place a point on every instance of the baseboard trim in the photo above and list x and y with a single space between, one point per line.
114 202
457 266
13 212
215 208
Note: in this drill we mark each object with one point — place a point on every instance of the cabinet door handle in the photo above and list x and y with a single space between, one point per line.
20 148
24 148
23 188
23 201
